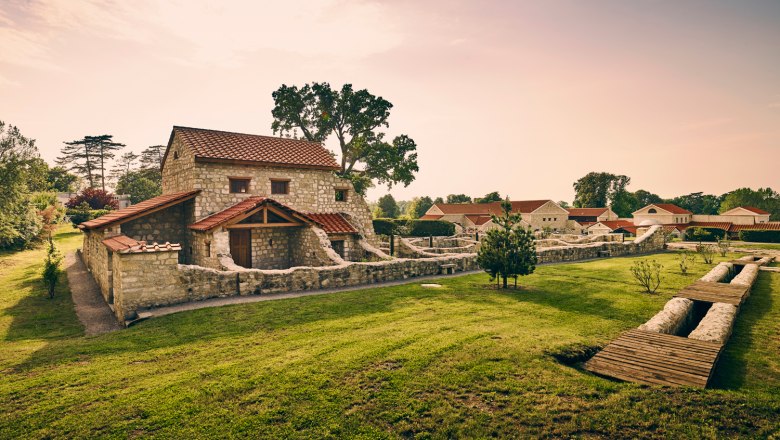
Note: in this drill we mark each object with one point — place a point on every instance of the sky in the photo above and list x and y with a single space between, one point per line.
520 97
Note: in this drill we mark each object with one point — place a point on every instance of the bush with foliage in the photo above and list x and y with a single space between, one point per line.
706 251
760 236
140 185
83 213
723 247
686 259
95 198
508 250
704 234
647 274
414 228
51 267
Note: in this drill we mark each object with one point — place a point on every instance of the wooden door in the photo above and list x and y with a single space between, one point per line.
241 247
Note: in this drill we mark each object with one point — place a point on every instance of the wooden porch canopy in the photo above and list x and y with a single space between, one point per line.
139 210
254 212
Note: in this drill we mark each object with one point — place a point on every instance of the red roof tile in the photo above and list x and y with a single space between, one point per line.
674 209
333 223
214 145
616 224
521 206
717 225
120 242
753 209
769 226
139 209
586 212
479 220
431 217
240 208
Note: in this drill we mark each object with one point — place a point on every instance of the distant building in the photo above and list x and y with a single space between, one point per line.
536 214
677 219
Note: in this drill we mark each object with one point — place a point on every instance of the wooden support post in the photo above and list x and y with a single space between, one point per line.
430 241
392 244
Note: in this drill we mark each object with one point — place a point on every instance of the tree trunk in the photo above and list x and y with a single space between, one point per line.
504 278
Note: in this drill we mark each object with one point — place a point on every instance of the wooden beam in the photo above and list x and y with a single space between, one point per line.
263 225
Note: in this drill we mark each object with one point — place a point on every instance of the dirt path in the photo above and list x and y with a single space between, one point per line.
91 308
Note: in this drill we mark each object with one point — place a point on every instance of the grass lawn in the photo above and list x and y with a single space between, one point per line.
770 246
460 361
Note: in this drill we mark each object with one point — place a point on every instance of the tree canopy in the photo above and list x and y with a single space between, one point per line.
356 118
600 189
388 207
89 157
489 198
419 206
762 198
458 198
507 250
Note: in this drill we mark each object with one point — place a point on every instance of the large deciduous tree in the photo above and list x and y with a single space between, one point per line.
762 198
489 198
355 118
458 198
388 207
596 190
419 206
644 198
507 250
698 203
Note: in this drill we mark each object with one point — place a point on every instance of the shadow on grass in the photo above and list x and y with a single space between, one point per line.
731 370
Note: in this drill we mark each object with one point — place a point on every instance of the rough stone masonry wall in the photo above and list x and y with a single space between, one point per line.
271 248
146 279
167 225
178 174
652 241
309 191
98 260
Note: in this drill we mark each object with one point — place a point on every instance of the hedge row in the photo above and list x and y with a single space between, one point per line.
704 234
414 228
79 216
760 236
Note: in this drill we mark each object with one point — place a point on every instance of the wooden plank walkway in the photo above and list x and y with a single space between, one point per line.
657 359
715 292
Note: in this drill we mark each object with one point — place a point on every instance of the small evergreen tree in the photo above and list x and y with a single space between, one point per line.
51 267
508 250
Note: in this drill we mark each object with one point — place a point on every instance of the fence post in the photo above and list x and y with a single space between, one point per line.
392 244
430 241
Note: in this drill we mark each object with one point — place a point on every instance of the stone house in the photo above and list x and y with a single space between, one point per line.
731 221
536 214
591 215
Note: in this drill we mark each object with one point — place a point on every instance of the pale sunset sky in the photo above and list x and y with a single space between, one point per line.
522 97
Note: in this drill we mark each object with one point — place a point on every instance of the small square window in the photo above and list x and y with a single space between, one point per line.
280 187
341 195
239 186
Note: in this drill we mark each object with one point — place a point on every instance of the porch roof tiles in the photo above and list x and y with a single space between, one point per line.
333 223
139 209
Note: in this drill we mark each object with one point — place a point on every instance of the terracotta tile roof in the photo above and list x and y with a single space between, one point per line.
333 223
217 145
629 229
769 226
521 206
586 224
674 209
753 209
479 220
431 217
120 242
241 208
717 225
586 212
616 224
139 209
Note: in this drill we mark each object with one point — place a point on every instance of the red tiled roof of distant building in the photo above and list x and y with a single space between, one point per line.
674 209
615 224
139 209
521 206
333 223
431 217
586 212
769 226
755 210
479 220
215 145
717 225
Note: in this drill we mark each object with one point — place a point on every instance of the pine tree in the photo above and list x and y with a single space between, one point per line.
508 250
51 267
124 165
152 157
105 148
79 157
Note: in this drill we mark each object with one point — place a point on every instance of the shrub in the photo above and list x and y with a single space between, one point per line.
508 250
723 247
51 267
415 228
707 252
424 228
648 274
685 260
20 228
384 226
95 198
80 215
760 236
704 234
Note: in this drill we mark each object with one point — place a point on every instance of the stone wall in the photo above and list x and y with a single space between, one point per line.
652 241
178 173
204 249
97 258
271 248
167 225
146 279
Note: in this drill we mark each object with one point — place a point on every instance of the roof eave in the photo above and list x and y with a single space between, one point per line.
202 159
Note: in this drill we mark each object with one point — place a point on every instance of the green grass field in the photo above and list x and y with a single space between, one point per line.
460 361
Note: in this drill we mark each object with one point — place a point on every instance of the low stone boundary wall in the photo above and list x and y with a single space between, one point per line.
652 241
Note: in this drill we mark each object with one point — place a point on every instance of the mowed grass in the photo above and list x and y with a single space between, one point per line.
464 360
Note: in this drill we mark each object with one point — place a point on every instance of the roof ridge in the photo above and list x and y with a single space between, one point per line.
246 134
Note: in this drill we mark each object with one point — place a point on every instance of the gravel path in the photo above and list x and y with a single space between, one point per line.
91 308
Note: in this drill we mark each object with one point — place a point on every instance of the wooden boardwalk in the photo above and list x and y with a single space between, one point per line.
657 359
715 292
